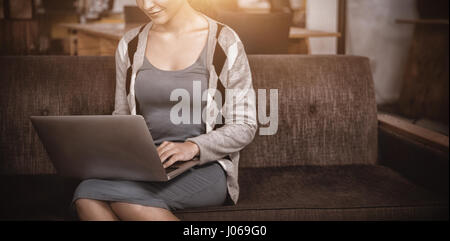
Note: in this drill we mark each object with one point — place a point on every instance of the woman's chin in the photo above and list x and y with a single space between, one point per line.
160 19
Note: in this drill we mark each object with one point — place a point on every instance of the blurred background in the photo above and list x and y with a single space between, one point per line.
406 40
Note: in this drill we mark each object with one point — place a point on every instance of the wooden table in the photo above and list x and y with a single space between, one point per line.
96 38
102 38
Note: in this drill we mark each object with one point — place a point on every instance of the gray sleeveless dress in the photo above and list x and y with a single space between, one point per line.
200 186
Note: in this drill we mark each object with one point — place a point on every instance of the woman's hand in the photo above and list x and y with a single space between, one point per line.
185 151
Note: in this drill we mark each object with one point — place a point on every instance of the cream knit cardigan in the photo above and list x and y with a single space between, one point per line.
240 125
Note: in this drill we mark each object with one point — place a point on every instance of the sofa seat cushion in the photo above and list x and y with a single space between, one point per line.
348 192
36 197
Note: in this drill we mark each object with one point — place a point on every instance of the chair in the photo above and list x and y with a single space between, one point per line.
266 33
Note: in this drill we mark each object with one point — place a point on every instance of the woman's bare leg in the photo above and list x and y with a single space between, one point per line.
94 210
136 212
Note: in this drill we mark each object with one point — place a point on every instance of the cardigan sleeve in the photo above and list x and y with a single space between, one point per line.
240 125
121 103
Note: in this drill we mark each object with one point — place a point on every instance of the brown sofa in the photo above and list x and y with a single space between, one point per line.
332 158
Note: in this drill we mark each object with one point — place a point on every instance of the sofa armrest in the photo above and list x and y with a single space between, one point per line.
416 133
421 155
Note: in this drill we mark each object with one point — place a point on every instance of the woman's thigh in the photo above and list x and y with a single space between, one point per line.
198 187
202 186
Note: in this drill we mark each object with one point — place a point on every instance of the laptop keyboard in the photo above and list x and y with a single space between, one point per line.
171 168
174 166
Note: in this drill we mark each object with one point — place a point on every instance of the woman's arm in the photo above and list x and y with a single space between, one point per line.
121 103
240 127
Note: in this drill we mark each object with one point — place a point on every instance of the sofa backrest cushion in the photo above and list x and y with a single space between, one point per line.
47 85
326 114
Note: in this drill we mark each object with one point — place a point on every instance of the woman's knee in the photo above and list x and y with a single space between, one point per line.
119 206
90 209
87 204
131 211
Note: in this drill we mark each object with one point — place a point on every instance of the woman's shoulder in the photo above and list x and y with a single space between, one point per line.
227 36
131 33
122 46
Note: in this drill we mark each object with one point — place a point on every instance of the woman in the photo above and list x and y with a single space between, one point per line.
176 50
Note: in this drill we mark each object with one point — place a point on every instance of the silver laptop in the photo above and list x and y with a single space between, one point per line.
104 146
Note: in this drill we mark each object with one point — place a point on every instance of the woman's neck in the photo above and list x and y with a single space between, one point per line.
184 20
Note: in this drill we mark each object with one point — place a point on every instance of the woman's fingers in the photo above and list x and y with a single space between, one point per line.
171 161
167 154
165 148
178 152
163 144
